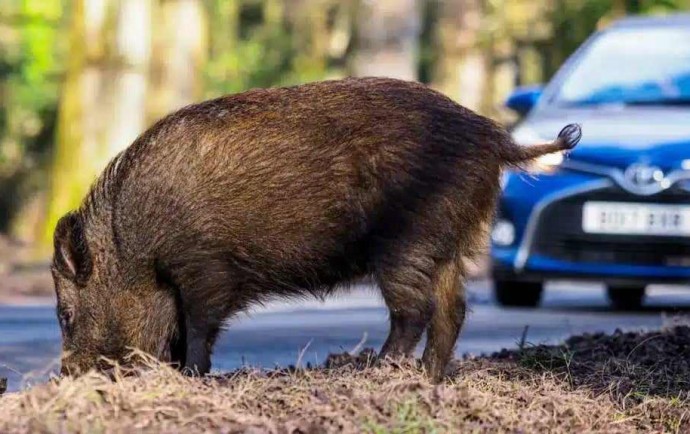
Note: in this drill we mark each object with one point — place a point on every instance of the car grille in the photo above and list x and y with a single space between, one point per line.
560 235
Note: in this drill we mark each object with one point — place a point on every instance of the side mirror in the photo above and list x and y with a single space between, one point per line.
524 98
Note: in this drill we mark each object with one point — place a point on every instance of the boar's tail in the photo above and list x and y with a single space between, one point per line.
514 154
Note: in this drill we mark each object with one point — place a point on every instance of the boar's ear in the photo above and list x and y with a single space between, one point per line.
72 256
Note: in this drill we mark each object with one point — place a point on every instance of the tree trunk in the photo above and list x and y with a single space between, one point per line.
311 37
179 54
222 69
102 106
225 22
461 70
388 39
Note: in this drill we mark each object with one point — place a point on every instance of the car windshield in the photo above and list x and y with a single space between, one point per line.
631 66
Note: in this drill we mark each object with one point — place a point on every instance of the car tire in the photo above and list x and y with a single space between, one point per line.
626 297
518 294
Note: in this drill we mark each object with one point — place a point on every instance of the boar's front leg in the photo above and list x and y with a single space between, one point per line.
198 351
203 296
203 319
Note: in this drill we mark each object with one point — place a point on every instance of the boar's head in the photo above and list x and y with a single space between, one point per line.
104 314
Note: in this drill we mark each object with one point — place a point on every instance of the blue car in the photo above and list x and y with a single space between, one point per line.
616 209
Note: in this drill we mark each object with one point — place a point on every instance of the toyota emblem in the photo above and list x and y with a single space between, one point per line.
642 175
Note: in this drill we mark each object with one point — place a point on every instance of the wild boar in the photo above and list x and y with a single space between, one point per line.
283 192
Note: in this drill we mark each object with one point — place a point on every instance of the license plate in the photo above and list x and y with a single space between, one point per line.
635 219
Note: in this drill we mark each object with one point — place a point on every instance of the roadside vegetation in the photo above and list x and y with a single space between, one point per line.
55 137
620 383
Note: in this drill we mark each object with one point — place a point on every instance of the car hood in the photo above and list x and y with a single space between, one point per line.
619 136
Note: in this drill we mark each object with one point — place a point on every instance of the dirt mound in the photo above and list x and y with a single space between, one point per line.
625 382
626 364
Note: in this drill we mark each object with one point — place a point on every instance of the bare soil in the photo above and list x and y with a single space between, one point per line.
620 383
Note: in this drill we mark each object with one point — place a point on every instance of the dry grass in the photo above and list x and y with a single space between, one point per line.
620 383
379 400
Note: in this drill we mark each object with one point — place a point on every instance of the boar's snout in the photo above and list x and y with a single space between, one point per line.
70 370
72 365
77 366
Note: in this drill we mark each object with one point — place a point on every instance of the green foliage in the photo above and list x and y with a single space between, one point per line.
428 54
258 55
574 20
30 73
257 43
263 43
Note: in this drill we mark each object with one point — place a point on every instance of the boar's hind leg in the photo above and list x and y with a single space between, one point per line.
407 293
446 322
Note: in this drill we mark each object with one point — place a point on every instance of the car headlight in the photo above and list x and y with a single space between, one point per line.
546 163
503 233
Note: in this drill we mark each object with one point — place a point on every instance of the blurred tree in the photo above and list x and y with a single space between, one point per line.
309 22
223 37
513 29
261 47
29 78
387 38
461 68
128 62
263 43
321 32
102 105
179 53
574 20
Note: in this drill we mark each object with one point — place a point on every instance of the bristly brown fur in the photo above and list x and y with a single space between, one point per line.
287 192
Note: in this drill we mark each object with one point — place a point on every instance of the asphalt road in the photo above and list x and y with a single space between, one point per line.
29 335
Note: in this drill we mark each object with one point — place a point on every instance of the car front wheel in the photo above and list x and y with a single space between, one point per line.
626 297
517 294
